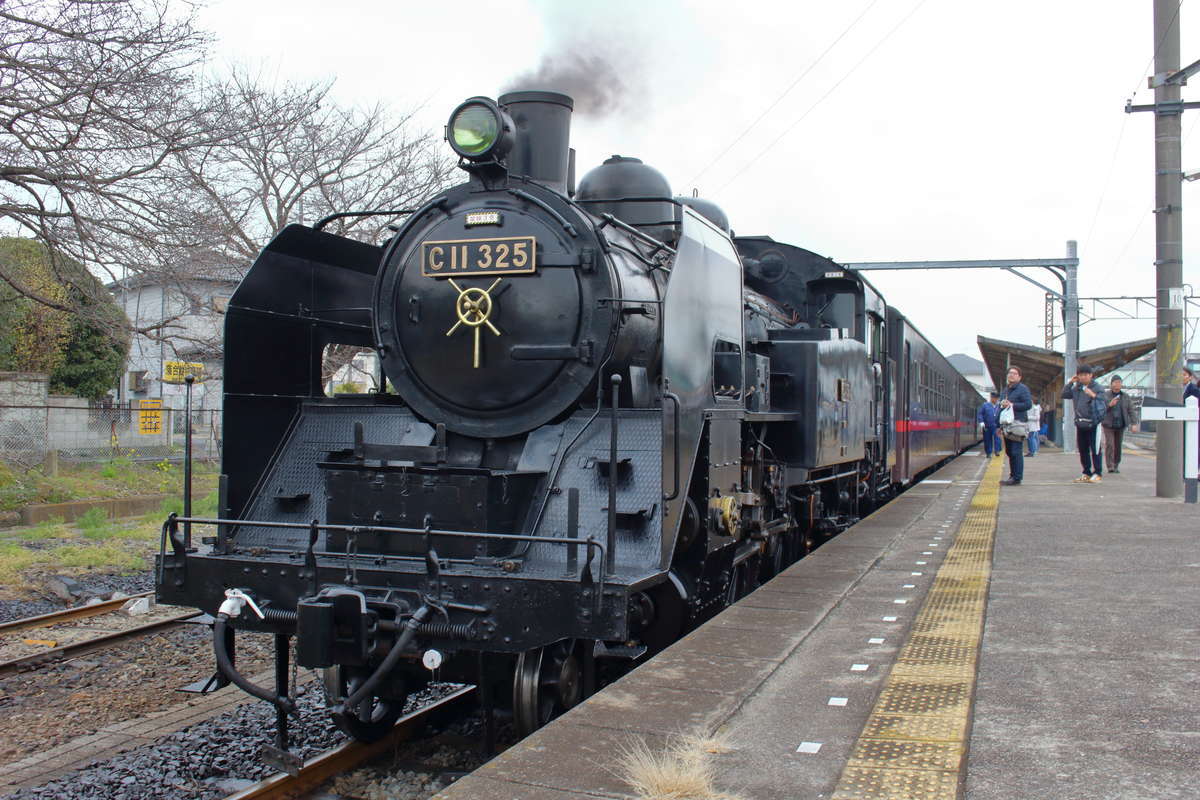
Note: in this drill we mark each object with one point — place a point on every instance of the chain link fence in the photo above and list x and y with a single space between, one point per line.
29 433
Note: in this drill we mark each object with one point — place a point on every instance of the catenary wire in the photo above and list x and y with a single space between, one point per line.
787 130
1142 218
1137 87
782 95
1087 240
1120 136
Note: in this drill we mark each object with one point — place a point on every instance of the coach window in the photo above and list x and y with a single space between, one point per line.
875 337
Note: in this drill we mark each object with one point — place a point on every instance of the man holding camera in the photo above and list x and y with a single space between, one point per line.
1089 410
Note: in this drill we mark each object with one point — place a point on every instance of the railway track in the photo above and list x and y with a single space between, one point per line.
54 652
322 768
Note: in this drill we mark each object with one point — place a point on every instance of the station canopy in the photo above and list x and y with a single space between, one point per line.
1042 369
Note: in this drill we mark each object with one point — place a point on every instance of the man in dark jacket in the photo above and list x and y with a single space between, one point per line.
989 417
1017 397
1118 415
1089 405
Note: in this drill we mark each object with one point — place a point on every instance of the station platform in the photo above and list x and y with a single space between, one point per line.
967 640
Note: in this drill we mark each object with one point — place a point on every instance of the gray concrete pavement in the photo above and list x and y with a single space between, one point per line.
1088 686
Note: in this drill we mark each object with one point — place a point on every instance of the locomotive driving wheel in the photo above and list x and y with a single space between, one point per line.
372 718
548 681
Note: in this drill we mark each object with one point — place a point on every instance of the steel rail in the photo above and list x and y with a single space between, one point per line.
66 615
76 648
320 769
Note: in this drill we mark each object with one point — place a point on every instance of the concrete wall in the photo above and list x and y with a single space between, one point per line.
23 422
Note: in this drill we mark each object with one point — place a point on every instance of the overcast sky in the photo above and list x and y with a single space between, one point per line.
932 129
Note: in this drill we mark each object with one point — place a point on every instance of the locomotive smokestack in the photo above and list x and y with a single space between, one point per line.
541 149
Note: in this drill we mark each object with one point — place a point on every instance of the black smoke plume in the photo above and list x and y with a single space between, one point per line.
594 80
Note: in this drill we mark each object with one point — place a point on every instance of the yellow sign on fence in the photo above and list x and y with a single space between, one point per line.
150 417
176 371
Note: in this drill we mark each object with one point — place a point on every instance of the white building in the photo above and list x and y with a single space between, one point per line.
192 315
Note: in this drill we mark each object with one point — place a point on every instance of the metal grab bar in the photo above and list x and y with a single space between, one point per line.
674 398
171 525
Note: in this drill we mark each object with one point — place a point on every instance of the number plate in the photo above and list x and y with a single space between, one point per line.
510 255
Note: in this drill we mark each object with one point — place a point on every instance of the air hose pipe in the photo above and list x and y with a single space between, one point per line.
230 671
389 662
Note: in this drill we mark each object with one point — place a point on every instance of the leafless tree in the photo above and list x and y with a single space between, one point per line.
299 156
115 152
95 97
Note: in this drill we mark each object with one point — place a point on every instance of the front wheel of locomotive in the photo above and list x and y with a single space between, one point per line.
374 716
548 681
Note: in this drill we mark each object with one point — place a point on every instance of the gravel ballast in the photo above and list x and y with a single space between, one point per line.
209 760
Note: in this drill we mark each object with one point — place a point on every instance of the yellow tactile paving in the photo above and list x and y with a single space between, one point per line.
913 743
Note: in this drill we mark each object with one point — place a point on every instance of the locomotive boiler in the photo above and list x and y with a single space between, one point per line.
605 419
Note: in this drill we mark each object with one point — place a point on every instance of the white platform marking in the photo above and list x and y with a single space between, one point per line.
809 747
900 601
890 619
859 667
875 640
909 586
838 701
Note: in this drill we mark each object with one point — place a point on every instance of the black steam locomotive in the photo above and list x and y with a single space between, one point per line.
606 419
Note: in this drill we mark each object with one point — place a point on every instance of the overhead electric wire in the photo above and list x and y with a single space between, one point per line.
1142 219
783 94
823 97
1087 240
1137 87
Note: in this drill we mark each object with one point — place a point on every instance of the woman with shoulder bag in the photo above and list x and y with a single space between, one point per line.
1014 406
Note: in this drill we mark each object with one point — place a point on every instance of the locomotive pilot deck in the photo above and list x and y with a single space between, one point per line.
866 669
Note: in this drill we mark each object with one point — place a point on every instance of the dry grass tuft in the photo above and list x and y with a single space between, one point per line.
680 771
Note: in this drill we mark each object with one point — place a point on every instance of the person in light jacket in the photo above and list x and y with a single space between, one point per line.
1035 428
1118 415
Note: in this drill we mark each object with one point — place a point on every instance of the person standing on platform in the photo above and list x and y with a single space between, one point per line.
1191 388
1017 397
988 416
1118 415
1035 428
1089 410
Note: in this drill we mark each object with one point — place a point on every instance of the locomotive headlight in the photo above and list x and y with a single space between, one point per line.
480 130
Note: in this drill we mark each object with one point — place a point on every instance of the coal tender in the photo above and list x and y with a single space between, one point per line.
605 419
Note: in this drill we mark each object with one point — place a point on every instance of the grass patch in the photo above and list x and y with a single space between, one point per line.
682 770
89 556
95 524
118 477
15 559
139 533
205 506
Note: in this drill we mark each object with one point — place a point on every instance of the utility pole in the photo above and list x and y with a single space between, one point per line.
1168 242
1071 345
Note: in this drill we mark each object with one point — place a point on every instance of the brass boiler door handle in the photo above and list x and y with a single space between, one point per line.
473 306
